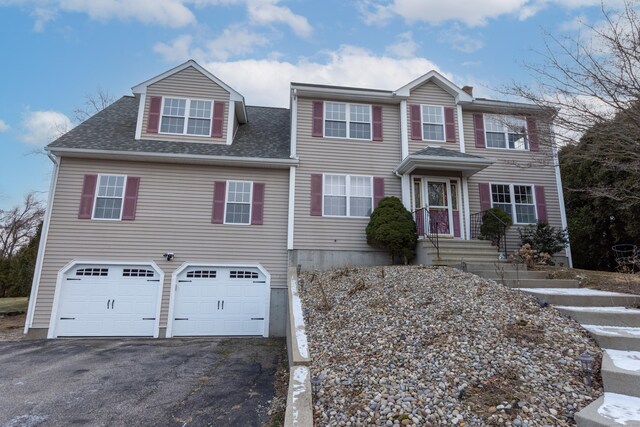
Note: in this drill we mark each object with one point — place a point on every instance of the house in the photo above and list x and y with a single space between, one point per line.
178 210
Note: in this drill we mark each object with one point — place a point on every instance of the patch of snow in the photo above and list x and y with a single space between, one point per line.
600 309
25 421
627 360
299 377
298 319
620 408
571 291
612 330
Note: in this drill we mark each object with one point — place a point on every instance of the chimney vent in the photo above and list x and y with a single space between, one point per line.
468 89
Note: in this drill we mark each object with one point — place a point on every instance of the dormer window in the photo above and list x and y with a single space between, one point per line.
186 116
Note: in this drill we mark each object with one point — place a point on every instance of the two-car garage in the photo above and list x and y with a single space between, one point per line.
125 299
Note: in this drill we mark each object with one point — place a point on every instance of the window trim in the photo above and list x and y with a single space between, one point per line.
347 121
443 124
347 194
187 109
513 199
505 133
226 202
95 197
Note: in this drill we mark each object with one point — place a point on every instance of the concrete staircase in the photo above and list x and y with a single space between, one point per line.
453 251
613 320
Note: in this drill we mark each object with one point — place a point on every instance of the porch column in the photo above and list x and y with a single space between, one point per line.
467 209
406 191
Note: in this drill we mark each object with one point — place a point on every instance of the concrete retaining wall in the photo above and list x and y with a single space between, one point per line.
299 410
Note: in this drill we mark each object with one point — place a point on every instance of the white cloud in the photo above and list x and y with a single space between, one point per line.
3 126
42 127
170 13
472 13
267 12
405 47
460 41
42 15
266 81
235 41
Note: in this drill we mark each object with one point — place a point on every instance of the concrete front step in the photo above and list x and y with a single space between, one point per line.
541 283
582 297
604 316
615 337
455 261
510 273
474 266
621 371
460 243
611 409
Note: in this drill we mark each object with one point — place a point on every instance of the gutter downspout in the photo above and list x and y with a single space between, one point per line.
37 273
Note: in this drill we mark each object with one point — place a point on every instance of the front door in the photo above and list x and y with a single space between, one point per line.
439 198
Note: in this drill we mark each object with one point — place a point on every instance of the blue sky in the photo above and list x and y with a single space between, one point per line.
56 52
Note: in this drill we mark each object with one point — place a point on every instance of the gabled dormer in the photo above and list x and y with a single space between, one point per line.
188 104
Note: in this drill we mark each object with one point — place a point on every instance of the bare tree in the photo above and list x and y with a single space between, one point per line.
592 81
93 103
19 224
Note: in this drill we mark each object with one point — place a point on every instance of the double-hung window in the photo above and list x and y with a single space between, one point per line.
509 132
432 123
109 197
186 116
238 203
348 195
516 200
342 120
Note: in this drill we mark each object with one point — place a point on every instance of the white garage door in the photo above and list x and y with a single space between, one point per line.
220 301
108 300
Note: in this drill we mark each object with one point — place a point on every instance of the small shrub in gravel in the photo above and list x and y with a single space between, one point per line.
423 346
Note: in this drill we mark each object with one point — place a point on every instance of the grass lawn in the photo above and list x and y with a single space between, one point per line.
601 280
13 305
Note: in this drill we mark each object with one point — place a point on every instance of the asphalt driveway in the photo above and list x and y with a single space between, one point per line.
172 382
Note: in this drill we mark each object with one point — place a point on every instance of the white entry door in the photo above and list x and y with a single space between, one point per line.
220 301
108 300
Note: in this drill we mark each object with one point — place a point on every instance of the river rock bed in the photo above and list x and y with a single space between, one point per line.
413 345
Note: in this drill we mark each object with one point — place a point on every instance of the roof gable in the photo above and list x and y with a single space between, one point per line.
439 80
235 96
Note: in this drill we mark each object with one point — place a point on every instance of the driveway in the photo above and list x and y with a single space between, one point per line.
172 382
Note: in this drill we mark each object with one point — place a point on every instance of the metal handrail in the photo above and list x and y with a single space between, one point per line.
428 225
477 220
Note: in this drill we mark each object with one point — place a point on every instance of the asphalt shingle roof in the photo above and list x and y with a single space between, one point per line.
443 152
266 135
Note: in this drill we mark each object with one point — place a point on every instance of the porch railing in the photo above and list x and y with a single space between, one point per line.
431 225
476 224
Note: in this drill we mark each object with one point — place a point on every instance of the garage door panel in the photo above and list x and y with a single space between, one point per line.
118 301
224 305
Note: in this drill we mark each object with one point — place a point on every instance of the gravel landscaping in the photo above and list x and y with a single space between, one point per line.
436 346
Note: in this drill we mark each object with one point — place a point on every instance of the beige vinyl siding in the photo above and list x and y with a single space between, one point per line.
188 83
514 167
173 215
431 94
341 156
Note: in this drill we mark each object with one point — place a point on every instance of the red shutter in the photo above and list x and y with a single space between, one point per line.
541 204
257 208
219 195
532 130
317 113
478 125
485 196
450 124
154 114
130 198
377 122
416 123
86 199
218 119
316 195
378 190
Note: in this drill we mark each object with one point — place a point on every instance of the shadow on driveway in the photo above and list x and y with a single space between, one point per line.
171 382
